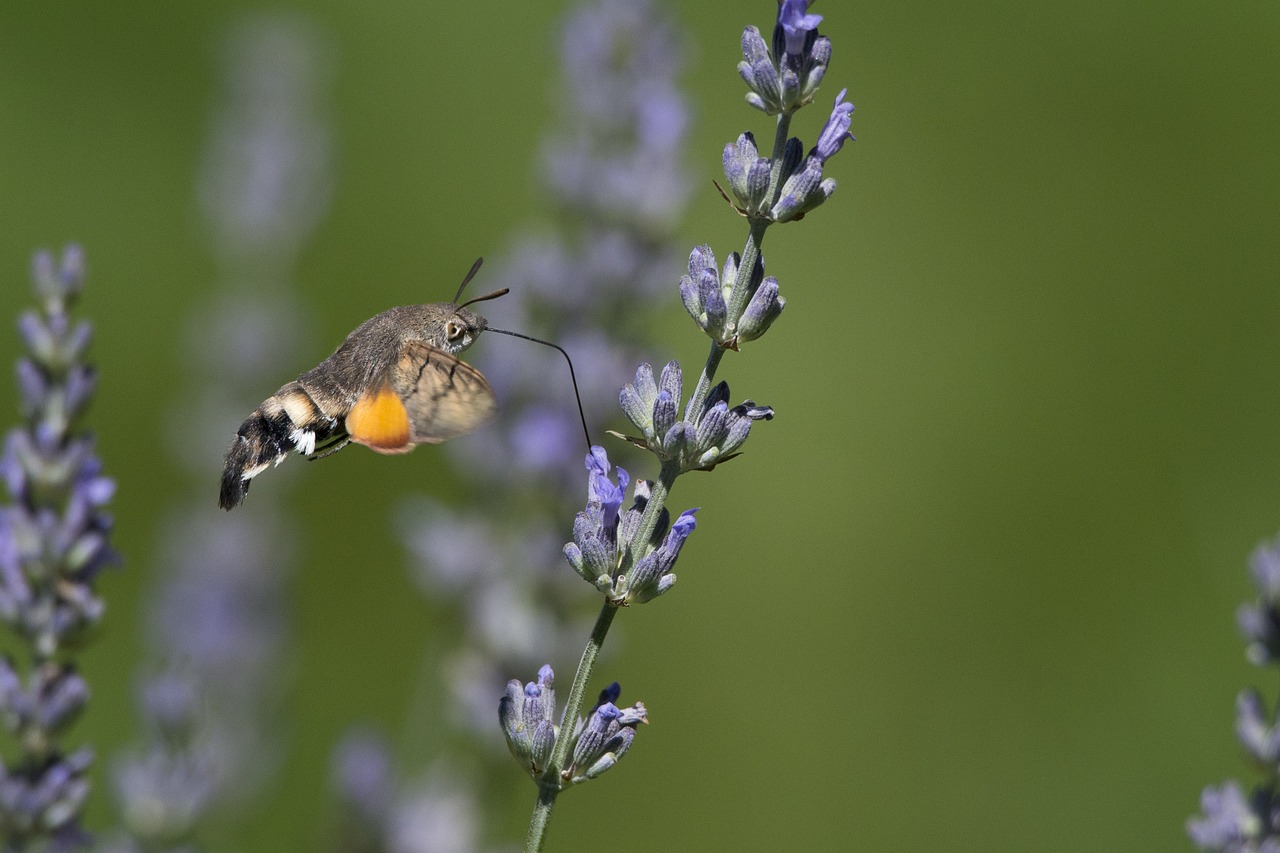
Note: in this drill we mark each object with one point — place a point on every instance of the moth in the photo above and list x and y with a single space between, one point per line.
394 383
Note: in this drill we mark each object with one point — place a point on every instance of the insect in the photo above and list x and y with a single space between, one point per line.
394 383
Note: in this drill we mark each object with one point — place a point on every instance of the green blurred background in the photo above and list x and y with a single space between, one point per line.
972 589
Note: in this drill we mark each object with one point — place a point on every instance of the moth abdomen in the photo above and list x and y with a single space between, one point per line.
287 421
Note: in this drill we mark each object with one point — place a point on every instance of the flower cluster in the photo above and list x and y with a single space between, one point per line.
53 546
754 180
707 295
605 537
710 431
786 78
526 714
1232 821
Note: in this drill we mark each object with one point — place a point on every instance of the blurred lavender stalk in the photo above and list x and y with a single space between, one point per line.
1233 821
217 624
612 169
53 545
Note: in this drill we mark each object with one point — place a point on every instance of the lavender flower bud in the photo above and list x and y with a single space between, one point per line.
760 74
652 576
526 716
706 293
747 174
765 307
638 398
604 738
664 416
802 192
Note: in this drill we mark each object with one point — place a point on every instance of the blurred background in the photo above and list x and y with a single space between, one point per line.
973 588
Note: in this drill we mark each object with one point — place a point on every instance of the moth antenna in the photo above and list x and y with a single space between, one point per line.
572 376
475 268
502 292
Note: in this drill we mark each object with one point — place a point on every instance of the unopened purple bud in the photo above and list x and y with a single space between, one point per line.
609 694
712 302
542 744
681 437
638 398
664 414
701 258
753 47
672 381
594 734
765 307
712 426
719 393
802 192
747 173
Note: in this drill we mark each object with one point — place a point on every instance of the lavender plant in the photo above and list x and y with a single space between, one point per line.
611 170
53 546
217 624
629 555
1233 821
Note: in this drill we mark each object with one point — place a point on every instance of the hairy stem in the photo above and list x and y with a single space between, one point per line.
549 785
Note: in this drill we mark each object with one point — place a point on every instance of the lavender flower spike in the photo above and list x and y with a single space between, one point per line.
53 545
1233 821
629 555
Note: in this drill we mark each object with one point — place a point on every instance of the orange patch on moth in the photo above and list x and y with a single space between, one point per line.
379 421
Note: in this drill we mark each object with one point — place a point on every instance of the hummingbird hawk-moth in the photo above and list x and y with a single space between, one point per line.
394 383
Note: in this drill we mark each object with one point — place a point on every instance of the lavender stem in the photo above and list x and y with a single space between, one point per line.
549 786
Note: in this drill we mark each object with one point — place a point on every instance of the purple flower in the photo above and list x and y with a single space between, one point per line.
602 490
796 24
835 131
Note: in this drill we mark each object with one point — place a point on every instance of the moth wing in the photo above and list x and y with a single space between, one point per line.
379 421
443 396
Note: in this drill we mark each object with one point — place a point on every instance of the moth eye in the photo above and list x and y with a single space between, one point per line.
453 330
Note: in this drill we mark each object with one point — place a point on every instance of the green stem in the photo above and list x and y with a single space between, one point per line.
549 785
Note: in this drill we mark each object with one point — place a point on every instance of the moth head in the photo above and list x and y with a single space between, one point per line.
461 328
